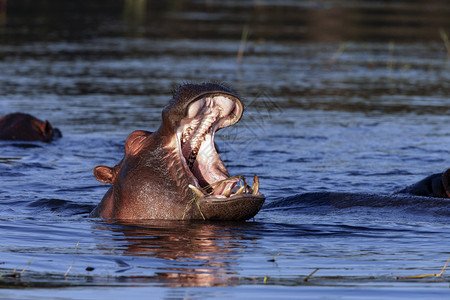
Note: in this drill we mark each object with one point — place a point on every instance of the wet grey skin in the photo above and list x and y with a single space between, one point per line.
175 172
436 185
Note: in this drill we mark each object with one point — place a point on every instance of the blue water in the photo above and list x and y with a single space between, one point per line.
357 112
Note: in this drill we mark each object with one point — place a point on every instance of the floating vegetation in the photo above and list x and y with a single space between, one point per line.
68 270
426 275
338 53
311 274
444 37
273 259
15 274
244 38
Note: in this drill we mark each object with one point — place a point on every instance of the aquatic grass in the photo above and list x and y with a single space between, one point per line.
338 53
427 275
189 204
17 275
70 267
60 280
444 37
310 274
241 50
68 270
28 264
219 183
304 280
274 258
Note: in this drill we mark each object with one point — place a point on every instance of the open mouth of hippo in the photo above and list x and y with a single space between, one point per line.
208 176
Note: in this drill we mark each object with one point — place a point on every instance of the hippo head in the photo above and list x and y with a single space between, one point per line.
25 127
175 172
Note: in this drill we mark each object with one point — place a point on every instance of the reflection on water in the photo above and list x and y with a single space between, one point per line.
346 97
203 254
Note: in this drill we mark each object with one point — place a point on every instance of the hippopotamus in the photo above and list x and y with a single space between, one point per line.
436 185
25 127
175 172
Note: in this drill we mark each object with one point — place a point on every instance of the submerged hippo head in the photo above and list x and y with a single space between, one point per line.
175 172
25 127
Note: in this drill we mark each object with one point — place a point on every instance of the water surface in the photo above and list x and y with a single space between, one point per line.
339 98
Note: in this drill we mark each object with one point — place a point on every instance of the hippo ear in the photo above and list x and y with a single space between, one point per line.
48 129
42 127
446 182
135 141
104 174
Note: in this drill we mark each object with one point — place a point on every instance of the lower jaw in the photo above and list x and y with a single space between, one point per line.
233 208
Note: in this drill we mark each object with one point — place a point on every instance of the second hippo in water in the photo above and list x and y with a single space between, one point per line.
25 127
436 185
175 172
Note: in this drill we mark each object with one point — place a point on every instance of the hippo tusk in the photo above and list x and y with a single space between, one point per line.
240 190
196 191
255 185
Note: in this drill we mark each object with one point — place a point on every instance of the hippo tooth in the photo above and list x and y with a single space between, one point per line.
192 157
227 193
255 185
240 190
196 191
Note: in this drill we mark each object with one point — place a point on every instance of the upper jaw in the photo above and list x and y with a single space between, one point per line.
195 132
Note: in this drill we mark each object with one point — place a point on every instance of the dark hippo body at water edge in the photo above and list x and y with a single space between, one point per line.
345 105
25 127
436 185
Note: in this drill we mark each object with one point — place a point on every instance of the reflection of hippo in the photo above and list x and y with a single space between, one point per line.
208 244
24 127
175 172
436 185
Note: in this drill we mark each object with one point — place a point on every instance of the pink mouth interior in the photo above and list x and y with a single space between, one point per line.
196 134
